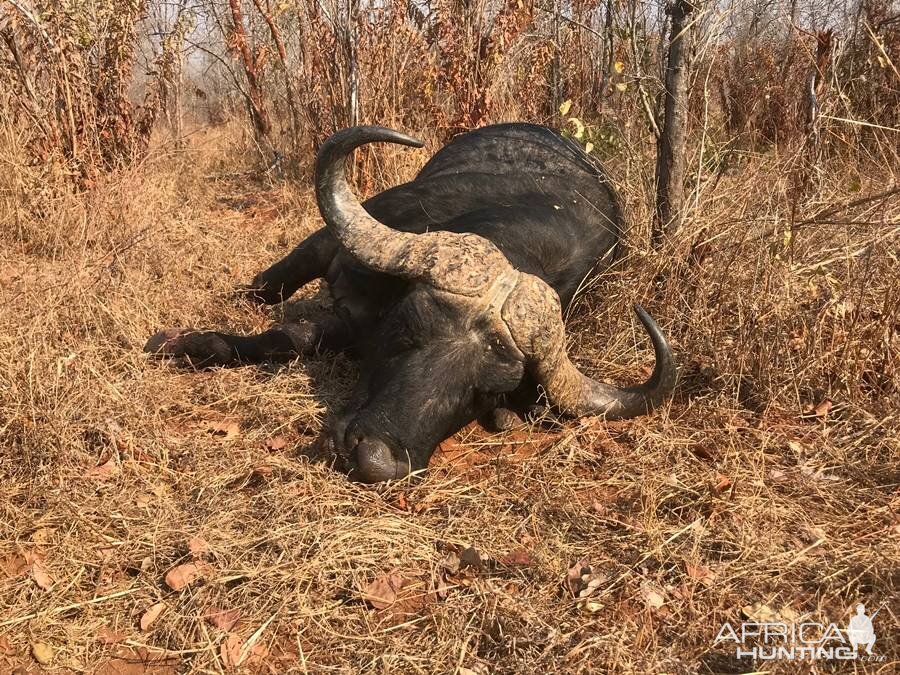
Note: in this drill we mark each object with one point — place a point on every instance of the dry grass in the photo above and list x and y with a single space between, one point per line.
728 497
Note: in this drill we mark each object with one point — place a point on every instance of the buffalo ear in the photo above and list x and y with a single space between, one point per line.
534 318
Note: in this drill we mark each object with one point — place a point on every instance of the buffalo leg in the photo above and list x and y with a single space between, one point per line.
309 260
280 343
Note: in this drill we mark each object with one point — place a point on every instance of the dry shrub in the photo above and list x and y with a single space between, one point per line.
69 68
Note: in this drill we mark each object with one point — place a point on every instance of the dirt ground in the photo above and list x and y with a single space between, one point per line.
159 519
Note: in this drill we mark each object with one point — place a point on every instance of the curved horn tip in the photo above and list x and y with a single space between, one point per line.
377 132
648 321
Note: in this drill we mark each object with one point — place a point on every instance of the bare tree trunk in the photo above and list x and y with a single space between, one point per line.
173 70
555 88
350 41
255 102
813 81
670 159
607 53
266 13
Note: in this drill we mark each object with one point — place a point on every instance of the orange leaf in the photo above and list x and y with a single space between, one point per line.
700 573
13 565
823 408
109 636
723 482
197 546
275 443
41 578
224 429
103 472
152 615
222 618
183 575
517 556
382 592
402 503
653 594
230 651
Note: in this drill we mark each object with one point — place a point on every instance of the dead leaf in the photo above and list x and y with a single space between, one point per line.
197 546
222 618
103 472
42 653
819 410
591 606
109 636
143 499
704 453
106 552
682 592
517 556
451 562
275 443
469 557
382 592
443 590
258 651
152 615
262 470
224 429
183 575
653 594
723 483
762 613
583 580
759 612
230 651
700 573
42 535
14 564
476 669
797 448
39 573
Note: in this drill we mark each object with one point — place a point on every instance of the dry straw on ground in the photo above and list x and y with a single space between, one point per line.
150 512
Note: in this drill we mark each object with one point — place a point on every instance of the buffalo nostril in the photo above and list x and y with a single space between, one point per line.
374 462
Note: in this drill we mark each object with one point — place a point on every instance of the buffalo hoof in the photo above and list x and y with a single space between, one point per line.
164 343
201 349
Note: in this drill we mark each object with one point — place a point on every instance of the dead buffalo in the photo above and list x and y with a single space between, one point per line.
451 289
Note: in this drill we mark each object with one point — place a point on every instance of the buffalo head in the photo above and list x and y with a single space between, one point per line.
469 329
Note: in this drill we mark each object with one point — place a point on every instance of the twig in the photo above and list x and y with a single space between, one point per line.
828 212
66 608
859 123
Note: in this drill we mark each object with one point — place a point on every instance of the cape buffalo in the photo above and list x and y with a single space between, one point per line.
451 289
